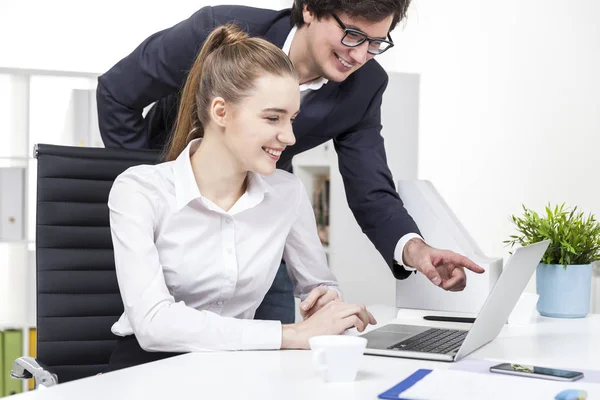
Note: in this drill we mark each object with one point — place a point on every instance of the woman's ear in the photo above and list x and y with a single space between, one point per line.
218 112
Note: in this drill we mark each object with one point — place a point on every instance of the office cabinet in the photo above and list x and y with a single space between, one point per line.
12 200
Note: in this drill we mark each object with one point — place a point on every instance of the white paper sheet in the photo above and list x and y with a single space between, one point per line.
460 385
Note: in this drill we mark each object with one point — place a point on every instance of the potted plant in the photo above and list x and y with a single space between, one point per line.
563 277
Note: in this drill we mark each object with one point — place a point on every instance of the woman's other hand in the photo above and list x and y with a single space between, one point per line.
317 299
333 318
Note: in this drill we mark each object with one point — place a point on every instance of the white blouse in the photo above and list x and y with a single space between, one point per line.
192 275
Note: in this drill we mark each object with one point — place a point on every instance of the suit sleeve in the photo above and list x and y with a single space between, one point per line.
369 185
155 69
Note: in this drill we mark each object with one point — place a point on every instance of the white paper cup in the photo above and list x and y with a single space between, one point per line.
337 358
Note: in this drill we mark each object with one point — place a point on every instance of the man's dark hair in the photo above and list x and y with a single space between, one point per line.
371 10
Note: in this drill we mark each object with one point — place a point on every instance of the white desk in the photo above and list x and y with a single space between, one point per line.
290 374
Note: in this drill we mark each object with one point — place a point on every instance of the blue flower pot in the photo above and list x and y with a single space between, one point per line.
564 292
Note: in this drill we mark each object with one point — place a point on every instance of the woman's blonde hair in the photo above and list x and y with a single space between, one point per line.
227 66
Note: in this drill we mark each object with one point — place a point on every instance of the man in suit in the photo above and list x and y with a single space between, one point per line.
332 44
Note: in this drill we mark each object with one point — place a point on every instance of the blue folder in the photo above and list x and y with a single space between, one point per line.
396 391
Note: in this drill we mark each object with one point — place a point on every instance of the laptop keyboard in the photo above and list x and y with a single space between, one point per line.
432 341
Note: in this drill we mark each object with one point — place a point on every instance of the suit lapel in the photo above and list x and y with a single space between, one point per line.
315 109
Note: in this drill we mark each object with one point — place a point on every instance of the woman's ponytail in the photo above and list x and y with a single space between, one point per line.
188 125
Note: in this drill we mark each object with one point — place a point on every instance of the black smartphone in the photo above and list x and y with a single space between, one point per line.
536 372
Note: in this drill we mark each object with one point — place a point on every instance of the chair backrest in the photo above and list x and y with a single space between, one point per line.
77 293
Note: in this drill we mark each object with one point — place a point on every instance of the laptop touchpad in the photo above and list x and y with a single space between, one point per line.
388 335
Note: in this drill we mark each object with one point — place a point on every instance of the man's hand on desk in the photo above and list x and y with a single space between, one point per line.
444 268
332 319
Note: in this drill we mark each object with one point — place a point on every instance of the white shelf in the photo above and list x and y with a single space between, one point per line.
18 242
14 162
318 157
29 72
54 107
16 327
314 169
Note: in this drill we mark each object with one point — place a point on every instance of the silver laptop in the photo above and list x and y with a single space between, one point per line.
431 343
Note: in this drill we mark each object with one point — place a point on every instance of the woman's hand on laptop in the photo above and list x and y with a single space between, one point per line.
332 319
317 299
444 268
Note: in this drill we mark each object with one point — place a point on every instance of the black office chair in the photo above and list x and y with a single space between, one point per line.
78 297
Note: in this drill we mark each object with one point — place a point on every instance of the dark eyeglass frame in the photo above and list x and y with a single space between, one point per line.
389 42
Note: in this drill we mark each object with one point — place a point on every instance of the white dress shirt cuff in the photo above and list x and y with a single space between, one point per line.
261 335
400 249
303 296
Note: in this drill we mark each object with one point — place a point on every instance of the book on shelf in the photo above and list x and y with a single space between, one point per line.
321 206
11 348
32 353
3 373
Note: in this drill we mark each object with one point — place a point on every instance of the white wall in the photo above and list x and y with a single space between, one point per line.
509 93
89 36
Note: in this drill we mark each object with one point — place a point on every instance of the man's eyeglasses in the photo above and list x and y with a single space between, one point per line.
354 37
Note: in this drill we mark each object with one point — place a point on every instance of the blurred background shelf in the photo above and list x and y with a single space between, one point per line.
36 106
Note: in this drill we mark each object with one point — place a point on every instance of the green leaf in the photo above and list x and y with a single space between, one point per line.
574 238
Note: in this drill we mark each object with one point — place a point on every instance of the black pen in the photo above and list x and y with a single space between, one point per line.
449 319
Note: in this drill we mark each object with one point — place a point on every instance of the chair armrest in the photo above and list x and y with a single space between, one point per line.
28 367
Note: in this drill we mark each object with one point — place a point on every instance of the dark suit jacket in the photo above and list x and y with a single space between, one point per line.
347 112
